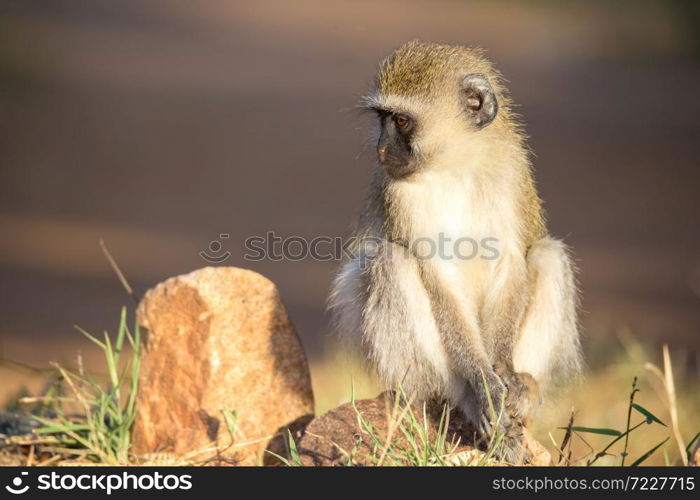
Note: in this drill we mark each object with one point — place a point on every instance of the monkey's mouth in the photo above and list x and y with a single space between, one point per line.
398 168
400 172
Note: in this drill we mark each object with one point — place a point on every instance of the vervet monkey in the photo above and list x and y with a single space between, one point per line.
453 165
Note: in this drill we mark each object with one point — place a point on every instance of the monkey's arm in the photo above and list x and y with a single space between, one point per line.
459 326
503 311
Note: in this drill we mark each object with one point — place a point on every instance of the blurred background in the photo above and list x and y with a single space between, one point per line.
158 125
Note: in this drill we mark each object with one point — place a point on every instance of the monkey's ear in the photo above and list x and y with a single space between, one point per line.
479 99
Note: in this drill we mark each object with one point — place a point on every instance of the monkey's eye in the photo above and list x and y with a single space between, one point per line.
402 121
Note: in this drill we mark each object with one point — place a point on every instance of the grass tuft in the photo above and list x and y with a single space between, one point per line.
94 420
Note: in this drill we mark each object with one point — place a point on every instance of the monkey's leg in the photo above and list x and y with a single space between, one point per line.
548 345
381 305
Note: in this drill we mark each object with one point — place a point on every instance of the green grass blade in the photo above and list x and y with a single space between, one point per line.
649 415
56 428
649 453
231 422
294 453
691 443
595 430
111 363
279 457
64 427
121 333
90 337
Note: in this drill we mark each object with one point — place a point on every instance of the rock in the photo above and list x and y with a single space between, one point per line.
539 455
219 339
331 439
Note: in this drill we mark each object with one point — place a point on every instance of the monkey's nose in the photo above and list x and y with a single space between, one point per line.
382 151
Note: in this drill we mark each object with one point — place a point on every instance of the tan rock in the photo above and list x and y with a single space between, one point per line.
219 339
539 455
338 438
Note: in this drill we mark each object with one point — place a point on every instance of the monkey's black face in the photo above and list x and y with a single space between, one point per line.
394 146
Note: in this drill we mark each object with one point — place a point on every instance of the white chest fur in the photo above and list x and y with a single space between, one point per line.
465 223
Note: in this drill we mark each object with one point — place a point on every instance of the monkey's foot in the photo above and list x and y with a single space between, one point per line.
512 449
522 392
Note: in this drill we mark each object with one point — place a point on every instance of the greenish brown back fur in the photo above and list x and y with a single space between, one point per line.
418 69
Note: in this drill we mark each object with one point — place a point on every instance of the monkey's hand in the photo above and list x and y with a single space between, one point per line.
522 391
490 397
